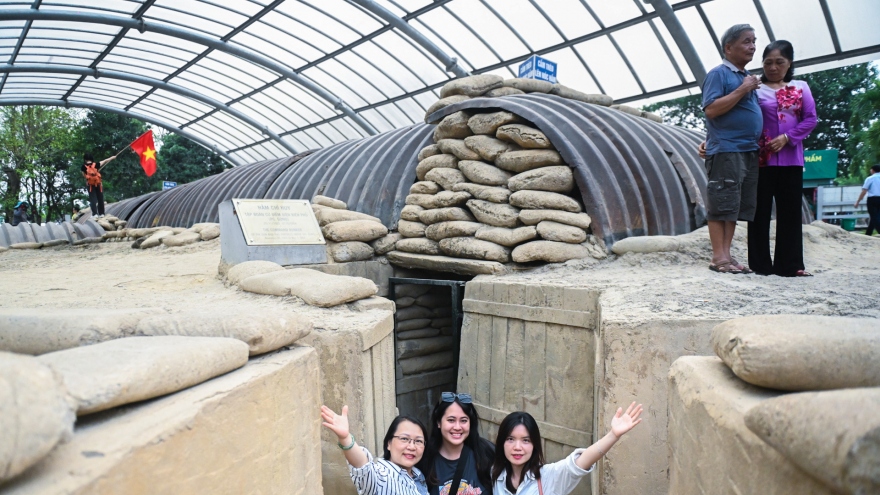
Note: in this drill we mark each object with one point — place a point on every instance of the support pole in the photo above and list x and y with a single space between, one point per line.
667 15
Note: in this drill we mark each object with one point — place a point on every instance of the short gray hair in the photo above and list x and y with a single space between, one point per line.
733 33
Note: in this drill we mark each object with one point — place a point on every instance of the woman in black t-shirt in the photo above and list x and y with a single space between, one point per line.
454 438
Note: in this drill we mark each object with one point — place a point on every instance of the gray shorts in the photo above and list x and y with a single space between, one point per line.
733 186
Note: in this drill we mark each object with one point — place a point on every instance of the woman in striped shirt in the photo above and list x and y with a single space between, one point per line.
395 473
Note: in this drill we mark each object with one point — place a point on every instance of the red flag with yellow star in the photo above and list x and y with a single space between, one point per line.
146 150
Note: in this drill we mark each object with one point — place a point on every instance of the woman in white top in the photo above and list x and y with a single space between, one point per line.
519 459
395 473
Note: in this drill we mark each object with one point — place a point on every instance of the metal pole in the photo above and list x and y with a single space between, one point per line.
667 15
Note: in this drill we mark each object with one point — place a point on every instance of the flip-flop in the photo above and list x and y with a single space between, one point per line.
743 268
726 267
802 273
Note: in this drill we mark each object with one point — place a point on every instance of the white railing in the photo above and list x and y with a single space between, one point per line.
836 203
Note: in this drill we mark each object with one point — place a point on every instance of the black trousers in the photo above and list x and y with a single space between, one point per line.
96 200
784 184
874 214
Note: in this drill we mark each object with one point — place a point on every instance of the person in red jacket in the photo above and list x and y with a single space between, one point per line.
92 173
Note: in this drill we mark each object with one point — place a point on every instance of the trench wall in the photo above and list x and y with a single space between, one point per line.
243 432
551 351
532 348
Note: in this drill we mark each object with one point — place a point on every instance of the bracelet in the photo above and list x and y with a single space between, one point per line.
350 445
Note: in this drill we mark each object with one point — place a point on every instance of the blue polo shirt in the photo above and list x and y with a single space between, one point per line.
739 129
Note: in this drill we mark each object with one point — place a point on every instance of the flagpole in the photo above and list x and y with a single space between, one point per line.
123 149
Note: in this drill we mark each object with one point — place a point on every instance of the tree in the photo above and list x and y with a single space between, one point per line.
34 159
103 134
835 92
686 112
182 160
864 142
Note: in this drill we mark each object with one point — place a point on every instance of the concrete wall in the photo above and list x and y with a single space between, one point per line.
632 365
357 369
532 348
243 432
712 450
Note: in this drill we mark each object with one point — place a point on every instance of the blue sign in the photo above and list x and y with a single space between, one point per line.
168 185
539 68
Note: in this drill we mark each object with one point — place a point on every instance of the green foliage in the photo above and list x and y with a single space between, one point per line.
34 160
103 134
41 155
686 112
864 142
835 92
181 160
839 97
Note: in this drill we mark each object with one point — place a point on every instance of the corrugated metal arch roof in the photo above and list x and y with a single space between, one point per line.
263 79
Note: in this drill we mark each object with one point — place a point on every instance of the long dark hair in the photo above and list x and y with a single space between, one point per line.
787 52
482 448
393 429
533 465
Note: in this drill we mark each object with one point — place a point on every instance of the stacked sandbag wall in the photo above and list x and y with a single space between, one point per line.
350 235
633 175
427 346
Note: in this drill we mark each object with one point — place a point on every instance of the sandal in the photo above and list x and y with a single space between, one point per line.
802 273
726 267
744 269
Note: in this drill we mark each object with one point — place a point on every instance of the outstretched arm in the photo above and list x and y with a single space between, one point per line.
338 424
621 423
106 161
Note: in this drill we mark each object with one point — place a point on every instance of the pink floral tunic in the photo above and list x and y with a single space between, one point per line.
790 110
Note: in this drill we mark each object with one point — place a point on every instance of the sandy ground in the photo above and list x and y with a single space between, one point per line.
115 276
635 286
678 285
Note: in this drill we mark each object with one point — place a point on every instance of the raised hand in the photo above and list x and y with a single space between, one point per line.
336 423
622 421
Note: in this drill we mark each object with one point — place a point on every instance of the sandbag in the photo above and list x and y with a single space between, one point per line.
801 352
833 436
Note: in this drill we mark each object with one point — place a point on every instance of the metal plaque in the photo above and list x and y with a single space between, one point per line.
272 222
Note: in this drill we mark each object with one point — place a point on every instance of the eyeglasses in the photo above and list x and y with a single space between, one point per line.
418 442
450 397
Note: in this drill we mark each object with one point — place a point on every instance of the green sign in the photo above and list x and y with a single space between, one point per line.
820 164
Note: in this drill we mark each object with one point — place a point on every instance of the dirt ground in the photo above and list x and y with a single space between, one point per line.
635 286
115 276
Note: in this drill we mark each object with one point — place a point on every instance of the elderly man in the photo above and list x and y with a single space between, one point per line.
734 124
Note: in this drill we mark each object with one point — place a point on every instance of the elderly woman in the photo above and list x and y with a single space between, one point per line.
789 117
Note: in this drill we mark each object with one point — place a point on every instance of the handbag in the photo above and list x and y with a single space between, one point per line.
540 488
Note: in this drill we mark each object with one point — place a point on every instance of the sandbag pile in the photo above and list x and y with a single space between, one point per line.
492 189
831 427
351 235
638 113
425 340
110 223
145 238
313 287
59 364
492 86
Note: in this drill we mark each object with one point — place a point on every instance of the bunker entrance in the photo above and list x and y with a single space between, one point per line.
427 341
